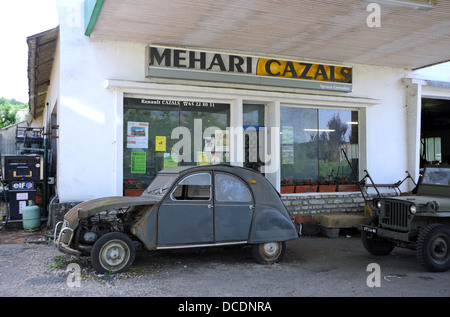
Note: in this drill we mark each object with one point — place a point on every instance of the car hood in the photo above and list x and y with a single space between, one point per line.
89 208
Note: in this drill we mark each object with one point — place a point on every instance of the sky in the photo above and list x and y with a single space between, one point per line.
18 20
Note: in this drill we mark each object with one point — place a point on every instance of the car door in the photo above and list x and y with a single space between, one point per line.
233 208
186 214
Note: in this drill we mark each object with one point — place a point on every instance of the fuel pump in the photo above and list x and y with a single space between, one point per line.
21 174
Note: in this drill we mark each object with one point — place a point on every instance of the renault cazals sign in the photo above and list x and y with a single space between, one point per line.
180 63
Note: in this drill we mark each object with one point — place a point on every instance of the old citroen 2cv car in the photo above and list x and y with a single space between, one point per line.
183 207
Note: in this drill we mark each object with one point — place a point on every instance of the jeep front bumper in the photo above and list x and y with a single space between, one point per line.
386 233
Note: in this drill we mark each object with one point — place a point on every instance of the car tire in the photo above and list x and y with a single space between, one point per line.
373 244
433 247
268 253
113 252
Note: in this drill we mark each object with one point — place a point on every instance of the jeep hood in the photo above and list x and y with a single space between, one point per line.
89 208
444 202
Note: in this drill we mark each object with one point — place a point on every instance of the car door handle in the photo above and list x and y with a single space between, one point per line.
251 207
210 206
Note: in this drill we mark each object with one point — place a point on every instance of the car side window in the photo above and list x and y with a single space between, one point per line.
193 187
231 188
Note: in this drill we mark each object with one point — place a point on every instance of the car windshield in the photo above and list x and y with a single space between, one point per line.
436 176
161 184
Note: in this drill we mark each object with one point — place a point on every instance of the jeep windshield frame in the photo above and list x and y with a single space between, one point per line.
435 181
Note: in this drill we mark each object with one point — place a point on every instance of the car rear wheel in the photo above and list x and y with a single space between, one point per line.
267 253
373 244
433 247
113 252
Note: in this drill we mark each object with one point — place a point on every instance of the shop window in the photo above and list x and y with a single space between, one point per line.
312 141
147 136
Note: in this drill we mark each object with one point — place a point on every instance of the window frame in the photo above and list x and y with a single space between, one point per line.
185 190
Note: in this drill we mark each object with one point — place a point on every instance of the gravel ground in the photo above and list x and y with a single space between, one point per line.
313 266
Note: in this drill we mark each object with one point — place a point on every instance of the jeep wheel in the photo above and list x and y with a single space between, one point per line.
268 253
433 247
375 245
113 252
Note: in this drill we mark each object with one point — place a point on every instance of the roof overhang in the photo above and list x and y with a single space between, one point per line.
41 55
351 31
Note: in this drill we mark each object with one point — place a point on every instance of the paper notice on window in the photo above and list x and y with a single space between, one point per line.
137 135
160 143
138 162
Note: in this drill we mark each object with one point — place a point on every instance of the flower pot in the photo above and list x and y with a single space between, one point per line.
39 199
132 192
305 188
287 189
327 188
348 188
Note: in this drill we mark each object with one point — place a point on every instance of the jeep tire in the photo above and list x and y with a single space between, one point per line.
433 247
373 244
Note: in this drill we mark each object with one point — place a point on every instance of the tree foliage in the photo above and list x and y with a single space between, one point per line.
8 111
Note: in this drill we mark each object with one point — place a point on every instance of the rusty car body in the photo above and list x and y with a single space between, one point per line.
183 207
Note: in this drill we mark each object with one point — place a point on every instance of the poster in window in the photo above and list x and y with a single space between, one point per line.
287 154
160 143
216 158
287 136
209 144
138 162
221 140
170 160
203 158
137 135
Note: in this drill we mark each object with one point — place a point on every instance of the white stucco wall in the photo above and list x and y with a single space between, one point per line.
90 113
86 110
387 122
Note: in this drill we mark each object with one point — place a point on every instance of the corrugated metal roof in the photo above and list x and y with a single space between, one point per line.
320 30
41 54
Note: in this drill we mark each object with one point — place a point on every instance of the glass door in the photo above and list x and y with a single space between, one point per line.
254 132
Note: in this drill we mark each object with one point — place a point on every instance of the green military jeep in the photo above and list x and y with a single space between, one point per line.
420 221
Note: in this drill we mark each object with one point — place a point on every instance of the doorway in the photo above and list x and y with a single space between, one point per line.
435 132
254 132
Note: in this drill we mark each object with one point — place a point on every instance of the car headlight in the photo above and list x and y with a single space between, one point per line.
412 209
378 204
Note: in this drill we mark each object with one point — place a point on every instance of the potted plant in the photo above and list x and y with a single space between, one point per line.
346 184
326 185
39 196
305 186
132 188
287 186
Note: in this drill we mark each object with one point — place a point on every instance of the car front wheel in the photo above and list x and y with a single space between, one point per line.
433 247
270 252
113 252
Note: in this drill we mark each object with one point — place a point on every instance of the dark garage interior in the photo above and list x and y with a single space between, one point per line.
435 131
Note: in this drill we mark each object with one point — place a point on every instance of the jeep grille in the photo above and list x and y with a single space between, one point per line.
395 215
